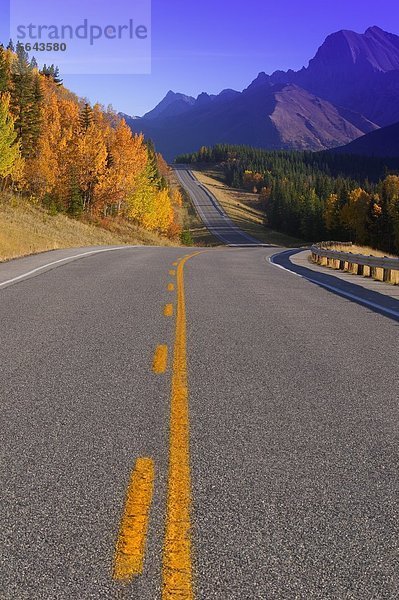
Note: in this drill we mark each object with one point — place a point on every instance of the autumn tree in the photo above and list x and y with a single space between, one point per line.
90 165
390 194
9 147
4 70
77 158
332 215
163 169
127 160
354 214
252 181
67 191
159 213
42 169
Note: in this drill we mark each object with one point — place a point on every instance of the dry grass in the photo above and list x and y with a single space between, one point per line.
361 250
243 209
27 229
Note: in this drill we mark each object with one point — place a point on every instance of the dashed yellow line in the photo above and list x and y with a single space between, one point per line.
175 264
172 273
168 310
177 556
171 287
160 359
130 545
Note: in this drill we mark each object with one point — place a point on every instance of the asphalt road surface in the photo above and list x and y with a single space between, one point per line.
268 433
211 213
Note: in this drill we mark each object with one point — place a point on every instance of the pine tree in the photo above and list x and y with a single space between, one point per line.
52 72
25 101
75 206
152 166
35 111
86 117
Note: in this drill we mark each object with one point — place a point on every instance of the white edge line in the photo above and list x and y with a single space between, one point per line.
270 260
337 291
61 260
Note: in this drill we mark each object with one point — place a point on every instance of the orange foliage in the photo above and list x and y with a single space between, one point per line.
102 169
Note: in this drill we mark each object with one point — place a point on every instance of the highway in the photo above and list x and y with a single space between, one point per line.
210 211
193 423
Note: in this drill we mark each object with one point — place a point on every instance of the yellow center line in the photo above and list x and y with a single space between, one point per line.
168 310
177 559
171 287
172 273
175 264
160 359
130 545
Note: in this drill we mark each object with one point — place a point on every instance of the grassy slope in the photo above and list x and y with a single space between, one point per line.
26 229
243 208
355 249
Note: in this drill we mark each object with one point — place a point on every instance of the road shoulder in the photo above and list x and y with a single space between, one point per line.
19 269
302 260
376 296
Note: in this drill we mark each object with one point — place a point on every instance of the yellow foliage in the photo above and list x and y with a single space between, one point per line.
94 164
90 163
159 217
42 171
9 146
331 213
177 198
391 192
354 213
252 180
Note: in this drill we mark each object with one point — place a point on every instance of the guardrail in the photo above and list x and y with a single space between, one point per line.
377 267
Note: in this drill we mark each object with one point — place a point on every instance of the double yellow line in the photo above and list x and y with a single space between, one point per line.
177 562
177 575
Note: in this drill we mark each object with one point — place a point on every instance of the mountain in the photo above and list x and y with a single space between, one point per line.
274 117
357 71
173 104
128 117
383 142
350 88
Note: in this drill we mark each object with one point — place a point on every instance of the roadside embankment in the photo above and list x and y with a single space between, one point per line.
28 229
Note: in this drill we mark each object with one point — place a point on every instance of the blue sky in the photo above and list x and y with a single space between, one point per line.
208 45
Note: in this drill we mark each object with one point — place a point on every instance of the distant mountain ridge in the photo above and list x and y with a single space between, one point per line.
350 88
172 104
382 142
